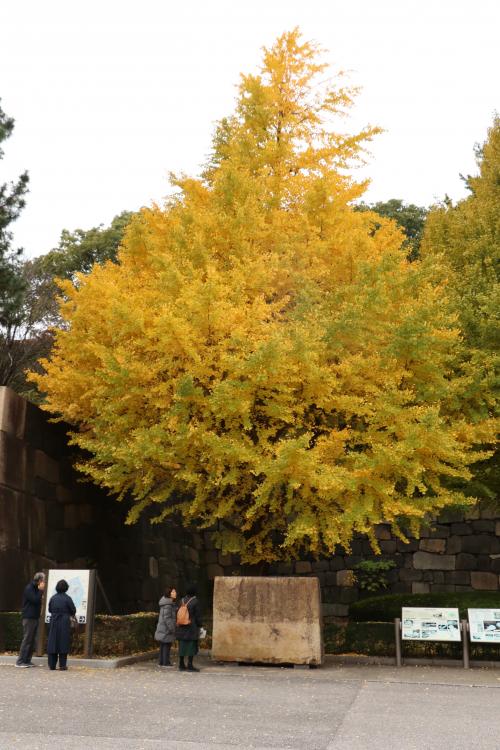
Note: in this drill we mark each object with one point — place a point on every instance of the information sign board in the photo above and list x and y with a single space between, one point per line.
430 624
78 581
484 625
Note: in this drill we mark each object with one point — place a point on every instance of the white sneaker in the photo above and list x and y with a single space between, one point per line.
22 666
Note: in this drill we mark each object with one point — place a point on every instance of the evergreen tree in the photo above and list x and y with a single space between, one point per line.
12 202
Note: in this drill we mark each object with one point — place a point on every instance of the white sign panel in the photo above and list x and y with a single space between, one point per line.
78 581
484 625
430 624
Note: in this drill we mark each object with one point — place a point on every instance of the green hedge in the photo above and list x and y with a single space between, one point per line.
11 630
118 635
377 639
386 608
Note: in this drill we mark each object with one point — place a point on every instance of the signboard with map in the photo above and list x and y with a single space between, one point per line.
484 625
78 581
430 624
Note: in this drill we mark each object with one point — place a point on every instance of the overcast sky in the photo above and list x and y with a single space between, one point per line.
109 96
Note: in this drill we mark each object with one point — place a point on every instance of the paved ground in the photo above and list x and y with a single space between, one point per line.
227 707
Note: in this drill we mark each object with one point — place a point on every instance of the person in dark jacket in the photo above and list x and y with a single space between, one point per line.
188 635
165 630
62 609
32 605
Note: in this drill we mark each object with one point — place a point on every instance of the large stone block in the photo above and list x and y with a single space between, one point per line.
12 412
438 531
454 545
433 545
345 578
428 561
269 620
460 577
484 525
46 467
484 581
303 566
409 574
465 561
15 464
485 544
462 529
420 588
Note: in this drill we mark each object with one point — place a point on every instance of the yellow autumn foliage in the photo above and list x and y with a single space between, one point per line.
263 358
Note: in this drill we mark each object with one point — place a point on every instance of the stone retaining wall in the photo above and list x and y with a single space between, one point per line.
49 518
460 552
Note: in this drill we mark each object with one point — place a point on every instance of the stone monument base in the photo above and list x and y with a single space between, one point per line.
267 620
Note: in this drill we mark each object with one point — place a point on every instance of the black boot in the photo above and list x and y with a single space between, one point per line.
191 668
182 666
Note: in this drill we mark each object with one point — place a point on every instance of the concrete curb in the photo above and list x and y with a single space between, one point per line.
122 661
389 661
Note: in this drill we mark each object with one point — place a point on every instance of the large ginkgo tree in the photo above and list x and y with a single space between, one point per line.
263 358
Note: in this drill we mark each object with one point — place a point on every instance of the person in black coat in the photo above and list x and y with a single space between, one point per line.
188 635
62 609
32 605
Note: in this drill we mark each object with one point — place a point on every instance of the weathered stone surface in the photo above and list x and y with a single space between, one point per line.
483 525
497 528
481 544
303 566
444 588
460 577
401 587
410 546
345 578
484 581
428 561
489 513
388 547
153 567
433 545
420 588
438 531
270 620
409 574
454 545
214 570
461 529
46 468
320 566
337 562
465 561
15 462
12 412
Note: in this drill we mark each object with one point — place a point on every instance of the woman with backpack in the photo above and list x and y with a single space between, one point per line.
188 629
165 630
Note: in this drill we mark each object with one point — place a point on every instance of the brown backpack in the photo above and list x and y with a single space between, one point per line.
183 616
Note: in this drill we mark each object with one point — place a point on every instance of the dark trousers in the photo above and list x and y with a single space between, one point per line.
30 628
53 660
164 654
